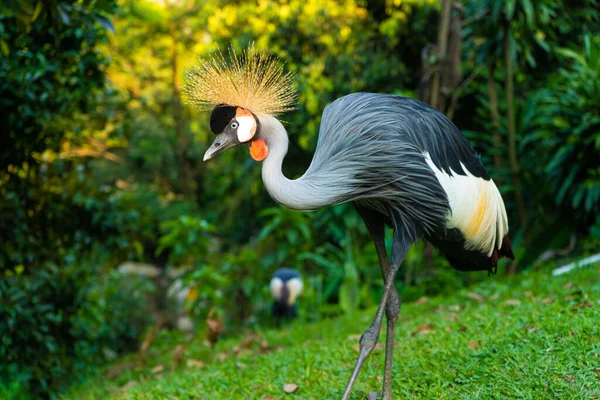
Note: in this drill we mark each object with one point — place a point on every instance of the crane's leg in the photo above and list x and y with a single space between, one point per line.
390 301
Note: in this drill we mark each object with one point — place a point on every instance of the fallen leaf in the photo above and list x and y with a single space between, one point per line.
455 308
246 352
240 365
473 344
373 395
247 341
289 387
194 363
214 327
269 398
116 370
129 385
584 304
213 331
532 329
158 369
452 316
476 296
513 302
424 329
177 355
528 294
354 337
494 297
422 300
221 356
547 300
568 286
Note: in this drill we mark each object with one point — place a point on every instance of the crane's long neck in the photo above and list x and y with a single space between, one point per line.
297 194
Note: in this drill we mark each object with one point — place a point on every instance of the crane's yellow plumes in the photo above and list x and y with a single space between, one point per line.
252 80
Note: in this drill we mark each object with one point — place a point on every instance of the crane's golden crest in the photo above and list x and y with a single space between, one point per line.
252 80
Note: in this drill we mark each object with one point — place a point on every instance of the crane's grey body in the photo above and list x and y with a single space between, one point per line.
371 149
402 163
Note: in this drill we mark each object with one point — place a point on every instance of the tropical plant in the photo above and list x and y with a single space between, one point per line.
566 133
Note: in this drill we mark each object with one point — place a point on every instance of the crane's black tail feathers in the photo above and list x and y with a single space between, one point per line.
452 246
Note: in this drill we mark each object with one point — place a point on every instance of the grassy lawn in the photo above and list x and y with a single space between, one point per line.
532 336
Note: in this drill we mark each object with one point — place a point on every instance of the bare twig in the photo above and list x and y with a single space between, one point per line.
148 340
458 91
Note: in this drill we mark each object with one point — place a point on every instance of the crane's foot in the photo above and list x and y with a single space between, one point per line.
368 340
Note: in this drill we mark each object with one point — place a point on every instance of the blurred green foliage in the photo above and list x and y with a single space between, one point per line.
101 158
58 321
567 127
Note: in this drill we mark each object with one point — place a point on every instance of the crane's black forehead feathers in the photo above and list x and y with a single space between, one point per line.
220 117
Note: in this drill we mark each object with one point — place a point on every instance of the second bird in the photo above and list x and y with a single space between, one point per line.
286 285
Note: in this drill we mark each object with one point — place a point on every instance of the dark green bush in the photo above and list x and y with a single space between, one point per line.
564 131
58 322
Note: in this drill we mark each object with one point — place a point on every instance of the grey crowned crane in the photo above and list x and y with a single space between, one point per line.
401 162
286 285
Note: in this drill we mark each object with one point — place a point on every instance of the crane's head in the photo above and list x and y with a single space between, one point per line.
240 90
233 126
286 285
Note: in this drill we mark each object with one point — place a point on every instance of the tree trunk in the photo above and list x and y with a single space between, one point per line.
512 134
495 115
442 49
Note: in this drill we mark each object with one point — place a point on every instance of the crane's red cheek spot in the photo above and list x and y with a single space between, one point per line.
258 149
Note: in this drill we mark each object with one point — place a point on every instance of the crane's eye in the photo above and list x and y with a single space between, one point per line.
234 125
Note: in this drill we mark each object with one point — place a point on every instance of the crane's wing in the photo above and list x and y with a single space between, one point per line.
436 135
392 138
478 225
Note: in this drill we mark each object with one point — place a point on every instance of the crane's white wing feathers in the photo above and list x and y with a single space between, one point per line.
476 208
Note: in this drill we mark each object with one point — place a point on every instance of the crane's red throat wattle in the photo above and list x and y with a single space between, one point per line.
258 149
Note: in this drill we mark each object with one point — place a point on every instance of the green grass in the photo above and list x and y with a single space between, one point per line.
531 336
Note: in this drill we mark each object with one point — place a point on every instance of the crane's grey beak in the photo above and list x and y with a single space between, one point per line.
222 142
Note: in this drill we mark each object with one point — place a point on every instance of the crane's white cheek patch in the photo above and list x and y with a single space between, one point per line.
275 286
295 288
247 127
